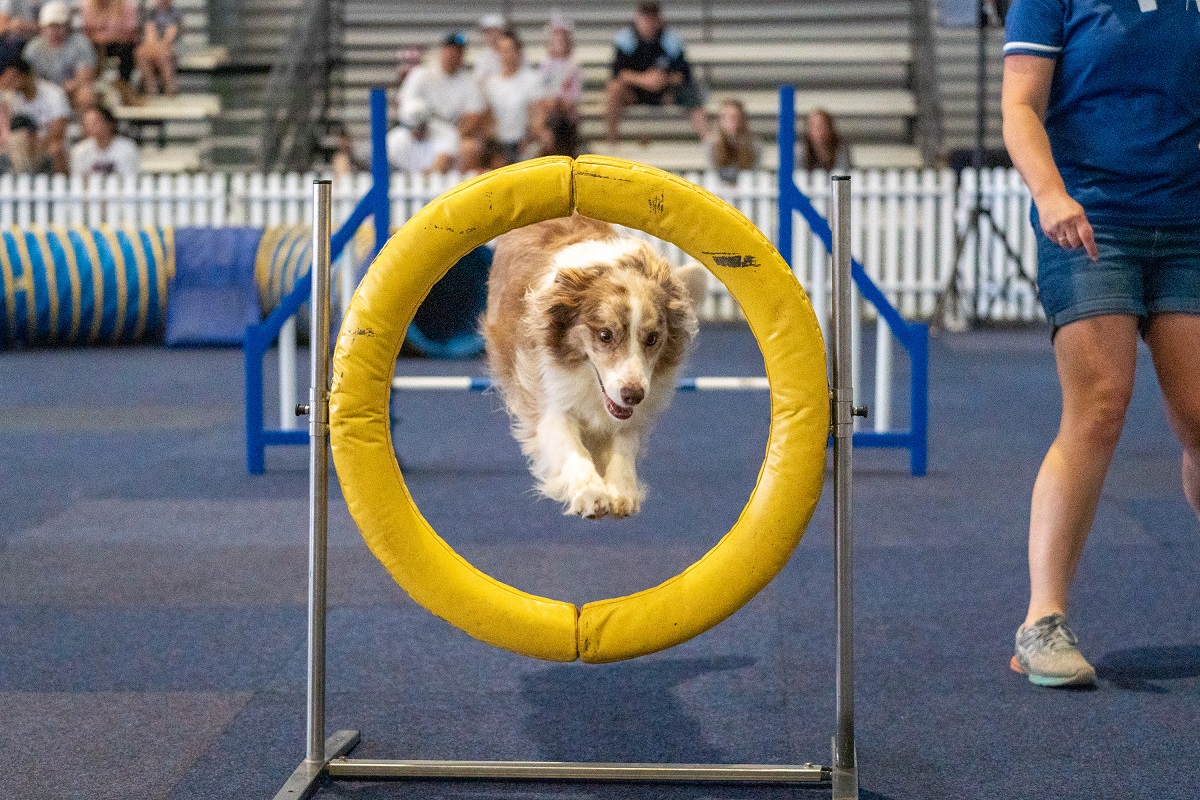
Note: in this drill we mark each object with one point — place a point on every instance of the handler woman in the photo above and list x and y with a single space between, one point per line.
1101 108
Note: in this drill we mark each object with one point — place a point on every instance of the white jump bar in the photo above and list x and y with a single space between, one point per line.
467 383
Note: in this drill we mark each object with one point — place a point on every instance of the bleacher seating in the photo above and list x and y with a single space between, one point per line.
827 48
851 58
202 58
174 131
679 156
171 158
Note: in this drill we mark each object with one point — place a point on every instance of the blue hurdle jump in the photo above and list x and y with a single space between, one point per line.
913 336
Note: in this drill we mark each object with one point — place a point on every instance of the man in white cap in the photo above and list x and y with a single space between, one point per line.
491 27
63 57
448 91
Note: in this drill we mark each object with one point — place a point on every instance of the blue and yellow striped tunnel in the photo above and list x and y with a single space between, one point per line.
75 285
72 286
192 286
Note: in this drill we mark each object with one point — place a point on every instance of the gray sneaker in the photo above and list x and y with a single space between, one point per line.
1048 655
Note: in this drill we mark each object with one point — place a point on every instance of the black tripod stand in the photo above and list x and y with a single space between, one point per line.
950 309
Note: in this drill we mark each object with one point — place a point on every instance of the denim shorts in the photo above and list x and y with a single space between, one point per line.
1142 271
687 95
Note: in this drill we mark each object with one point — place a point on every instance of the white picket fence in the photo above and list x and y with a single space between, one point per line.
907 225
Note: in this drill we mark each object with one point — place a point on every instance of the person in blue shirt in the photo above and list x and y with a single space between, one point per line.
1101 111
650 67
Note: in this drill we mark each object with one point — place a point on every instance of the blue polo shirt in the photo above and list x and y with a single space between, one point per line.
1124 111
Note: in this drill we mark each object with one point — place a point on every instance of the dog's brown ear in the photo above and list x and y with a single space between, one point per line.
685 291
565 296
694 278
561 306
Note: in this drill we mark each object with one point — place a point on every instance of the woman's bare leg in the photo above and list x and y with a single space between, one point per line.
1096 360
1174 341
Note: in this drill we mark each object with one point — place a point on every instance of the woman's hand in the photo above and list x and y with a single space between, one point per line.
1065 223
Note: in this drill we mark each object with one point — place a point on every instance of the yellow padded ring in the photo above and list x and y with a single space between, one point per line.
777 310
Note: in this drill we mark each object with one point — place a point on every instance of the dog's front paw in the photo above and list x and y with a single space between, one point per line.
624 501
589 499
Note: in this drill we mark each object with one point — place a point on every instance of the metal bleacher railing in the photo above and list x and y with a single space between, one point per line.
299 87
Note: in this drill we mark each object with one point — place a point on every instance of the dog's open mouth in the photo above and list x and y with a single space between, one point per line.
620 412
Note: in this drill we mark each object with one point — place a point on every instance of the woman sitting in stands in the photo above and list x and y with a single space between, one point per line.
731 147
562 79
517 102
479 154
104 151
113 27
156 56
823 147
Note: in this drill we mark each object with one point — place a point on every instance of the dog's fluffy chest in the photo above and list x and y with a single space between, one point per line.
584 334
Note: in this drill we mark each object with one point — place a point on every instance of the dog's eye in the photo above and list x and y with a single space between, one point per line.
651 339
604 335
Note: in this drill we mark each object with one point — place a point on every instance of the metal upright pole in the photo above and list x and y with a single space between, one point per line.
318 480
319 750
845 766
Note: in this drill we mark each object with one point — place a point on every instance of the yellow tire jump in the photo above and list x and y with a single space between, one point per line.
777 310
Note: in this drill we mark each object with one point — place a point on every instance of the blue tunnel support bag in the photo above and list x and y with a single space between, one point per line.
214 295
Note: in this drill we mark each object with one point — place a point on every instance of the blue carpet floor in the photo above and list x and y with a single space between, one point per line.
152 597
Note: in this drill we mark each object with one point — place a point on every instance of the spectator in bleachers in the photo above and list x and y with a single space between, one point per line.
412 148
823 147
447 90
114 29
732 148
479 154
6 164
348 156
407 59
21 149
562 80
516 99
487 63
650 68
156 56
18 24
63 57
39 113
103 151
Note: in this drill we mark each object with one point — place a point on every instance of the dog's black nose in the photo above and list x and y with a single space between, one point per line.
632 395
